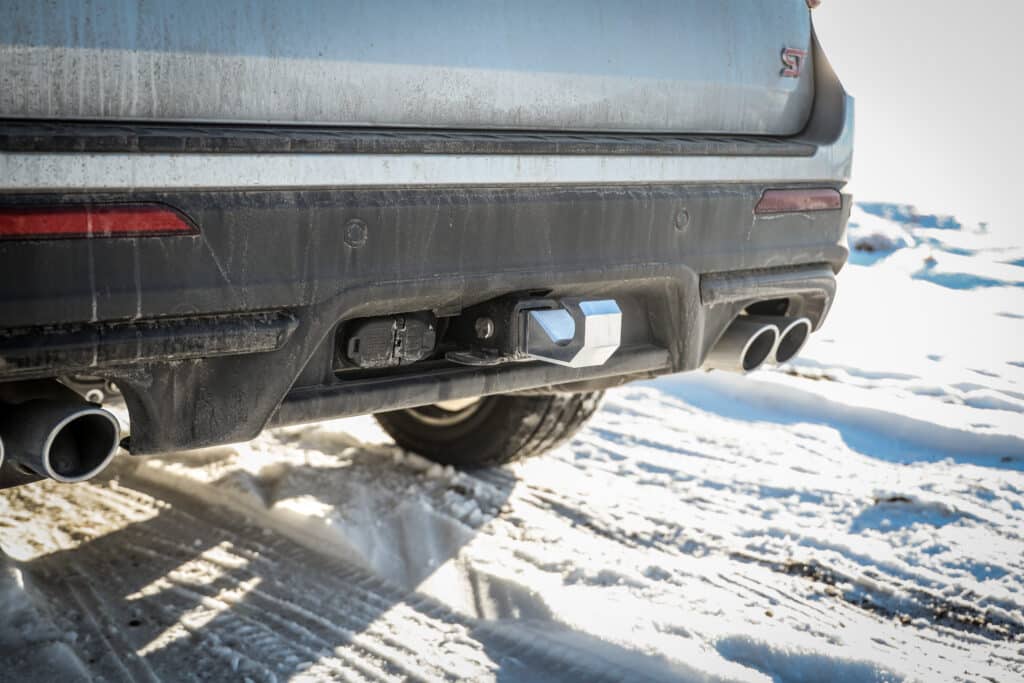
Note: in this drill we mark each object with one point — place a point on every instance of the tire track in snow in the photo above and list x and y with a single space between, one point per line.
197 591
178 594
914 603
535 654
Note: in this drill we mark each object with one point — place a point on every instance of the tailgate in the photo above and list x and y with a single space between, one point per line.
687 66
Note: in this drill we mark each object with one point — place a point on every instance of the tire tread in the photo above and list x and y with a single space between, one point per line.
506 429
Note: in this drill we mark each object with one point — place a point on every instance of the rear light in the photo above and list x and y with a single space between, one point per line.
798 201
813 3
92 221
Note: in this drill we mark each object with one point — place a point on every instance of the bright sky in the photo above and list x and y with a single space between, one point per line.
939 96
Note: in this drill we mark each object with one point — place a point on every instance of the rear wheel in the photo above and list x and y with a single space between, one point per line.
492 430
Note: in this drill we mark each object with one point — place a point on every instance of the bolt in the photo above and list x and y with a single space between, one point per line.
94 396
682 219
484 328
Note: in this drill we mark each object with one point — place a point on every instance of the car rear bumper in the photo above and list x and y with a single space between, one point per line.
213 335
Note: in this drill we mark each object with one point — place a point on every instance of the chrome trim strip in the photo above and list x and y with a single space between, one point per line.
28 172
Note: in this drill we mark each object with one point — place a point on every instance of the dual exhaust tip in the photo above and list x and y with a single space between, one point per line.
752 340
61 436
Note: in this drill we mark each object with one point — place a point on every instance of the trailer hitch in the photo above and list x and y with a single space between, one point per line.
578 334
572 332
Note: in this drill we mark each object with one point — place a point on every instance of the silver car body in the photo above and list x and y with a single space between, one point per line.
694 66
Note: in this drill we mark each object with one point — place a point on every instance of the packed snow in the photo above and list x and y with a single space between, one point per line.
857 514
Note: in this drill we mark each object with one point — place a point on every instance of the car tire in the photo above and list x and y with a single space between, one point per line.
490 431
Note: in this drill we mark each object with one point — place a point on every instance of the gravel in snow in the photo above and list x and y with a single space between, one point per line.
856 515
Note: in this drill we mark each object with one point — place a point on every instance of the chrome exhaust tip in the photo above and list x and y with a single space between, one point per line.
792 339
793 334
744 347
68 441
81 445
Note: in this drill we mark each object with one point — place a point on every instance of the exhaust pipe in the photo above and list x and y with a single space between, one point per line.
64 438
793 334
745 345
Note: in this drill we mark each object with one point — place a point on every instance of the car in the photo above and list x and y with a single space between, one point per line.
467 218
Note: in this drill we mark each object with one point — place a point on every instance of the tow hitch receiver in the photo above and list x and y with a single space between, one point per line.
579 334
572 332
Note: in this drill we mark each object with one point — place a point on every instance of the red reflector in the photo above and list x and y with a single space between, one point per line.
67 222
795 201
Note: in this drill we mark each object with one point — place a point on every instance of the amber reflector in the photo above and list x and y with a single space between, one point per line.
796 201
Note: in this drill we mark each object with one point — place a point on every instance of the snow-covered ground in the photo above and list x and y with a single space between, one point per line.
855 515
